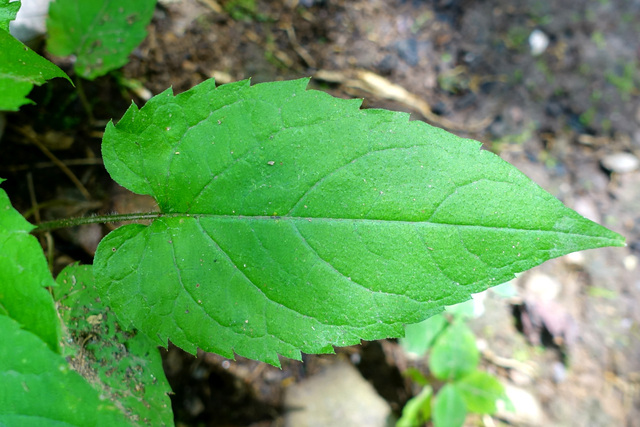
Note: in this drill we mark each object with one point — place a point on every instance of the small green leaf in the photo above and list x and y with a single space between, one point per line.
418 337
101 33
24 277
454 354
8 11
122 365
20 69
38 388
294 221
480 392
417 410
449 409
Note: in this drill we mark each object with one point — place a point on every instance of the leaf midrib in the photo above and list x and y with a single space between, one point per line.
161 215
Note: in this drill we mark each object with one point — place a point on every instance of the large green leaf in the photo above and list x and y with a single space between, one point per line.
38 388
124 366
20 69
101 33
37 385
294 221
24 277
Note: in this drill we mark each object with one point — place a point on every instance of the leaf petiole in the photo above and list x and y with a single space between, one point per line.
99 219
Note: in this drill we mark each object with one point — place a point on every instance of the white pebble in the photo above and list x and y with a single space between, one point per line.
620 162
538 42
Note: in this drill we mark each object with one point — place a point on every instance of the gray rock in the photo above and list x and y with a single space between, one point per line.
337 396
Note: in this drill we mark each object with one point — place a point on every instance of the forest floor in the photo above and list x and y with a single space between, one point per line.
557 112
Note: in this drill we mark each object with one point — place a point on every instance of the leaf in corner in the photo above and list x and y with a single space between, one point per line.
37 385
20 69
8 11
100 33
294 221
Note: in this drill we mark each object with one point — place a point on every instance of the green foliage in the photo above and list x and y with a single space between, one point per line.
419 337
293 221
20 67
123 365
290 221
38 388
8 13
449 409
454 360
101 33
37 385
454 354
24 277
417 411
480 392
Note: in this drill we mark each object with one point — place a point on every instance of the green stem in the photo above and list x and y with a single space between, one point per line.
98 219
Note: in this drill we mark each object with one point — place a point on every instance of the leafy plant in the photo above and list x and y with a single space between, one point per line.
288 221
100 34
453 360
37 384
20 67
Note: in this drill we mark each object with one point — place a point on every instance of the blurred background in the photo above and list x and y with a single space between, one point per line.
551 87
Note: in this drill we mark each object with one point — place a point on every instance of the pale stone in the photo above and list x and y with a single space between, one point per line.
620 162
337 396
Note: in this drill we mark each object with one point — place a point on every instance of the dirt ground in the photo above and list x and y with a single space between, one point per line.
558 114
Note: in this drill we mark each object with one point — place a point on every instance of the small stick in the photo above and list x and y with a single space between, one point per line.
33 138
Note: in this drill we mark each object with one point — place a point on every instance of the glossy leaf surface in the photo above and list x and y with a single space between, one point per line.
294 221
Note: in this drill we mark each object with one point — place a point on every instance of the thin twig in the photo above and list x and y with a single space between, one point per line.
36 214
213 5
30 134
302 52
44 165
32 198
